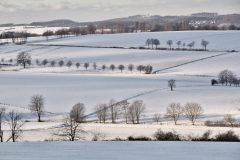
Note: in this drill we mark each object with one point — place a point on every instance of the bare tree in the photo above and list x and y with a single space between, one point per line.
24 59
69 63
2 114
94 65
70 130
15 123
77 64
183 45
229 119
193 111
114 110
174 111
170 42
172 84
47 34
103 67
45 62
136 110
148 69
86 65
130 67
157 117
61 63
179 44
226 76
205 43
131 114
112 67
125 106
37 105
52 63
191 45
37 62
156 42
78 112
121 67
148 42
140 68
102 112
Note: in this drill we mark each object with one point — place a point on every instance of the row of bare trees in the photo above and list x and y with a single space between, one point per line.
141 68
155 42
228 120
14 119
192 111
112 111
227 77
90 29
16 37
25 59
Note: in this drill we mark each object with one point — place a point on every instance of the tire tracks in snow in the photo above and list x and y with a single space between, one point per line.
194 61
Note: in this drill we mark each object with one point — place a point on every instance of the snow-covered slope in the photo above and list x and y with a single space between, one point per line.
63 87
29 29
91 87
219 40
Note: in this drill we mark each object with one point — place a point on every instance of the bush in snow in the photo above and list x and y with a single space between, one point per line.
166 136
230 136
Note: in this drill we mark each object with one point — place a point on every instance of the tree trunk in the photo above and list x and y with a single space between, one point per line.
13 137
39 118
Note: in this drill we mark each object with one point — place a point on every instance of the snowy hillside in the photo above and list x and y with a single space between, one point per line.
63 87
219 40
29 29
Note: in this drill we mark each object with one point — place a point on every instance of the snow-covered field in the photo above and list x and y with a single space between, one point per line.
63 87
219 40
120 150
29 29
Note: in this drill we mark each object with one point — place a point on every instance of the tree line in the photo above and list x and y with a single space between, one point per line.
17 37
154 43
25 59
226 77
111 112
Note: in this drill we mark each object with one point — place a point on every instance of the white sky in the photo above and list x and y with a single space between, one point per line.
25 11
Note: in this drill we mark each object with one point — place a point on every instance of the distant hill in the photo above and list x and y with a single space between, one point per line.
56 23
194 19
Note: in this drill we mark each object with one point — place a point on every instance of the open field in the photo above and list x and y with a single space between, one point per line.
62 87
120 150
